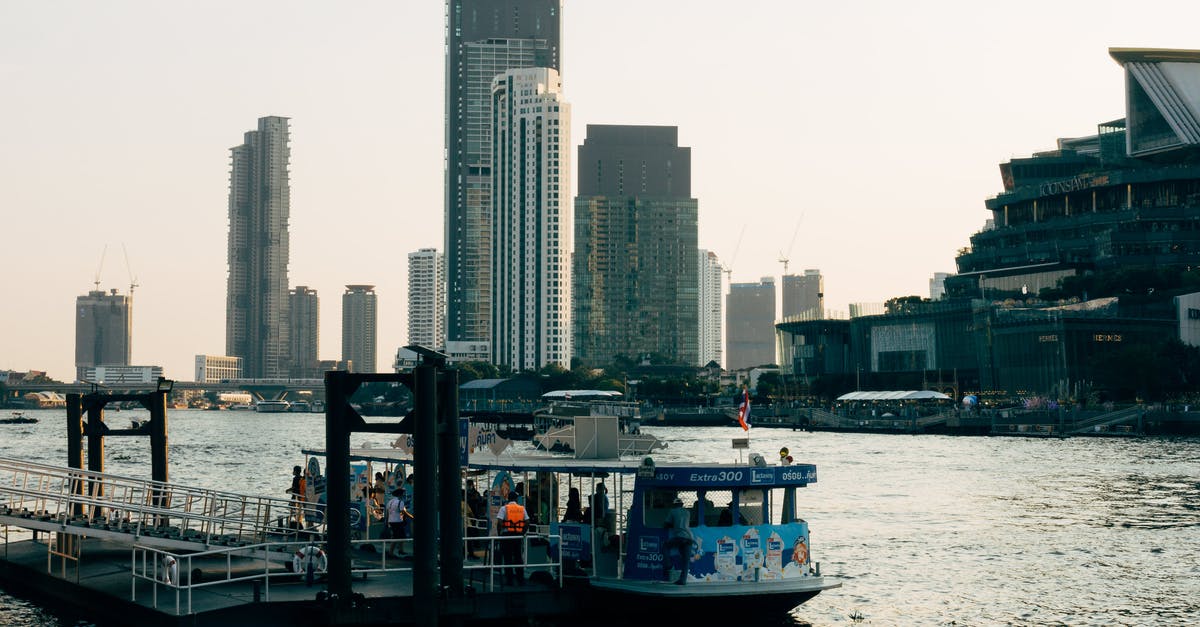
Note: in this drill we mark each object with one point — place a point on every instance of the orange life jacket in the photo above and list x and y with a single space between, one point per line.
514 519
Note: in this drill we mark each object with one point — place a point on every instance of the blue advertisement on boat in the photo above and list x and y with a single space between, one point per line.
773 476
738 553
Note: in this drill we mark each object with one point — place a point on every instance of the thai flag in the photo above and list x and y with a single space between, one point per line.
744 410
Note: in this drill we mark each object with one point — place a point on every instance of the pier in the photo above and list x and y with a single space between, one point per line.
150 552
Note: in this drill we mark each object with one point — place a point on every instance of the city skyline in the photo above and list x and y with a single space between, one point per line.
885 205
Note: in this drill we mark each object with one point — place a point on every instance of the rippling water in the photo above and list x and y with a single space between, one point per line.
921 530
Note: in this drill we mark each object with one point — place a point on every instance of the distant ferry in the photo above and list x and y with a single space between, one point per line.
271 407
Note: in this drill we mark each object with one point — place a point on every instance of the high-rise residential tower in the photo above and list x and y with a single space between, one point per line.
305 311
103 330
750 324
708 310
635 263
484 38
804 295
359 327
256 313
426 299
531 224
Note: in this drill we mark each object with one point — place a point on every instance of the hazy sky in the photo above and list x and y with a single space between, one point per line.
877 126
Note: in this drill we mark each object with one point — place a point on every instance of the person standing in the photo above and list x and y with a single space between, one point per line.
397 520
679 539
298 490
511 523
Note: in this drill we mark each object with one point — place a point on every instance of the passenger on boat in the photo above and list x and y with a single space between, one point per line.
477 510
378 490
511 523
397 519
574 513
599 504
298 491
679 539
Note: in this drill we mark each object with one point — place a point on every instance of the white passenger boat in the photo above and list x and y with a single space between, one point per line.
750 543
271 407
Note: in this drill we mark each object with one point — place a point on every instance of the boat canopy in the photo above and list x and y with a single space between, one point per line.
911 395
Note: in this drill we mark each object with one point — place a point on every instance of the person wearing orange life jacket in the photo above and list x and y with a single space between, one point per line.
511 522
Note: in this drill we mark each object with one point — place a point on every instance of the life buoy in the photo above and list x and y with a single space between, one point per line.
310 555
170 570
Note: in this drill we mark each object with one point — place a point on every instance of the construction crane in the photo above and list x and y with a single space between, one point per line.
96 279
783 257
132 279
728 268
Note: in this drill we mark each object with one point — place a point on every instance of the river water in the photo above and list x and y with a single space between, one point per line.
920 530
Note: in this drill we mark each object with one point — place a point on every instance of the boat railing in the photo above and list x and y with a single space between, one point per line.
182 573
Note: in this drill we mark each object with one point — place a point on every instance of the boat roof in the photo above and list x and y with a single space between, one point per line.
676 474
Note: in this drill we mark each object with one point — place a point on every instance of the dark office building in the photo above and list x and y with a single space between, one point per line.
634 268
103 329
305 310
750 324
1127 196
484 38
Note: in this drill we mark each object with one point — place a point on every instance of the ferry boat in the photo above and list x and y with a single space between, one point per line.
750 543
271 407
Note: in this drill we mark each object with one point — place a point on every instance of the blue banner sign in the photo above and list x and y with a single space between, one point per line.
722 476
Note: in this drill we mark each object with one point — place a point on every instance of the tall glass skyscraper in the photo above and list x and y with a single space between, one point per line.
484 38
256 314
635 263
531 230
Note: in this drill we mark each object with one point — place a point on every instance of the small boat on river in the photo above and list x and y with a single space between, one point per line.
18 418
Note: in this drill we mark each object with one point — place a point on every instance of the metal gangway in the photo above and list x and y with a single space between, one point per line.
1104 422
154 514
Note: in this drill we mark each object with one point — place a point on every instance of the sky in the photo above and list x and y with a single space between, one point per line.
860 138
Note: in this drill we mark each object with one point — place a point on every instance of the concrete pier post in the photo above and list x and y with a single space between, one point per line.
75 443
425 535
95 448
338 389
450 476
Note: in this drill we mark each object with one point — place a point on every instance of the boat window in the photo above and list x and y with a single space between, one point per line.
752 503
658 503
716 504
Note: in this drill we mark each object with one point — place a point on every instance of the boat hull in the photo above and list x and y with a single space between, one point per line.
667 600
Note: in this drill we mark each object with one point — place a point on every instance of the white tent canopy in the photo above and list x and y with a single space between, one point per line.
911 395
564 394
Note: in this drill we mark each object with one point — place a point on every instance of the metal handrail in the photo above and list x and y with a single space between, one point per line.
151 564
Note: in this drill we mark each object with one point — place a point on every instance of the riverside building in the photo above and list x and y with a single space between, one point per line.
359 331
305 310
256 313
635 265
750 324
484 38
103 330
804 295
1127 196
531 221
427 299
708 310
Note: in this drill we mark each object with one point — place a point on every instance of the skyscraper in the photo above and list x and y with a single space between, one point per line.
804 295
426 299
305 311
358 327
750 324
531 225
484 38
256 314
635 262
708 310
103 330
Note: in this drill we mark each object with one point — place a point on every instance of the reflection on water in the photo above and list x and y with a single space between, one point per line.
921 530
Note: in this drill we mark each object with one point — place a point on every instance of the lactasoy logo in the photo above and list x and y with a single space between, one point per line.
762 475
